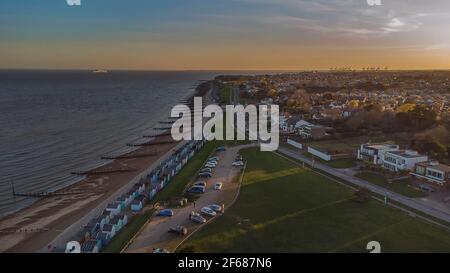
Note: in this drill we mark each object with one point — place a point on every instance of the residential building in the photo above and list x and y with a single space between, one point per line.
374 153
433 172
402 160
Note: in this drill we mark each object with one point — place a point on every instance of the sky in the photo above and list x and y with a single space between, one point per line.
224 34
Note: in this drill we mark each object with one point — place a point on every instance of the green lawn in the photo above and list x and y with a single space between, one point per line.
225 94
174 189
284 208
400 186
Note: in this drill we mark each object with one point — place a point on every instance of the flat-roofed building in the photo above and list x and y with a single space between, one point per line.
433 172
374 152
402 160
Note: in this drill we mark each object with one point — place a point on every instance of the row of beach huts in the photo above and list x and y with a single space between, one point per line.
101 230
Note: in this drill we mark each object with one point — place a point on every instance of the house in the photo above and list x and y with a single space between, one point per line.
433 172
402 160
90 246
310 131
374 153
110 230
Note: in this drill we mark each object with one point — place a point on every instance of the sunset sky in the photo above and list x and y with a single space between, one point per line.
224 34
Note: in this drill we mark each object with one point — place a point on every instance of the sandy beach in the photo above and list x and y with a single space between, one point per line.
32 228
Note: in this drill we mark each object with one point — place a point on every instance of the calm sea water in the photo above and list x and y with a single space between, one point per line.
55 122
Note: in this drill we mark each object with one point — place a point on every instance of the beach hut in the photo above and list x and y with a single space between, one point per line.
107 216
110 230
124 218
122 201
114 208
104 238
136 206
93 226
117 223
90 246
151 194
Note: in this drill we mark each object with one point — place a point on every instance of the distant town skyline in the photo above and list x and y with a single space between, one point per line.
225 35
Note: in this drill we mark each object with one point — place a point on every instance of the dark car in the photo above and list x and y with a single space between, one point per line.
179 230
165 213
221 149
196 189
206 175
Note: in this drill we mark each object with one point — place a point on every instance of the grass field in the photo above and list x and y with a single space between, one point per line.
401 186
225 94
174 189
284 208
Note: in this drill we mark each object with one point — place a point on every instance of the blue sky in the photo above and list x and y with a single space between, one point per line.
224 34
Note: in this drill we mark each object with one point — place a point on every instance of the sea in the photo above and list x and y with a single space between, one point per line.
55 122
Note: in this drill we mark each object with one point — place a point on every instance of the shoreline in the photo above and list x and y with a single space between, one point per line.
33 227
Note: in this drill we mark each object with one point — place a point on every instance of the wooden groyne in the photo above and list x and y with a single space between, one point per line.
103 171
153 153
42 194
157 135
152 143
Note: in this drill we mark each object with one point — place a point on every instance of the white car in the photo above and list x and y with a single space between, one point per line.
208 211
237 163
210 165
218 186
215 208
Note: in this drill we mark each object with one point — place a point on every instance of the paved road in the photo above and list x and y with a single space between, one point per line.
155 235
410 202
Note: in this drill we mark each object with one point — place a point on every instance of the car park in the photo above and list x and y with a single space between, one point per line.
179 230
196 189
197 218
208 212
165 213
215 208
218 186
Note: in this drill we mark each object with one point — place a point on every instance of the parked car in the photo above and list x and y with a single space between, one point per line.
216 208
196 189
212 162
201 184
238 158
237 163
205 175
179 230
165 213
214 158
218 186
221 149
160 250
210 165
197 218
206 170
208 211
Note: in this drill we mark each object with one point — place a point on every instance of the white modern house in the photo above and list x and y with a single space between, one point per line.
402 160
374 153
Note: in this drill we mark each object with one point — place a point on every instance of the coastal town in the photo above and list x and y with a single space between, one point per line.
383 136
